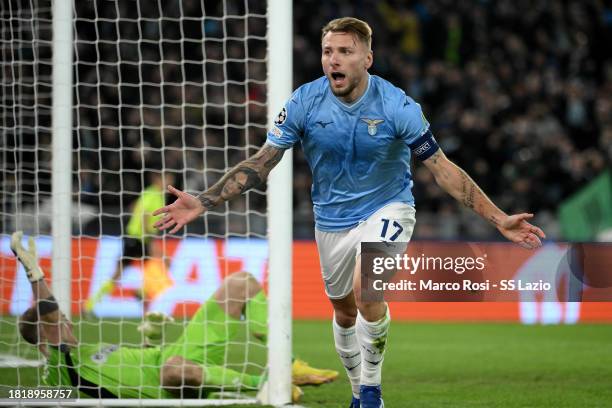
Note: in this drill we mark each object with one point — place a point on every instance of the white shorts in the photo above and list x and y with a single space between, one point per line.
338 251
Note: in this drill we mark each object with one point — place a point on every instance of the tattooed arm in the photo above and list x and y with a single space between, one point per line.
244 176
458 184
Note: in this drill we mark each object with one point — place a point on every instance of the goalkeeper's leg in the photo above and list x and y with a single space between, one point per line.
218 320
241 294
185 378
178 371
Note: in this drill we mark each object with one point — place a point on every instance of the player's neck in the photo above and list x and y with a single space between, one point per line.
357 93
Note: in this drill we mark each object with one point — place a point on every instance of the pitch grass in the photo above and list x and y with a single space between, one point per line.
438 364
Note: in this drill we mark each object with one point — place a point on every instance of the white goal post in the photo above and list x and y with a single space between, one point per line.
227 32
280 205
61 181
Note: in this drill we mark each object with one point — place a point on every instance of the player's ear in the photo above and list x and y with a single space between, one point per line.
369 59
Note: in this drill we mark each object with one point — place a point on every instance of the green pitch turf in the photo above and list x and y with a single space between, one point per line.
437 365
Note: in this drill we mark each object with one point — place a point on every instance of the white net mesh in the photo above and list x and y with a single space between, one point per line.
161 88
25 139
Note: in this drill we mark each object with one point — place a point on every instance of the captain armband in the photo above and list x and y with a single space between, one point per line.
425 146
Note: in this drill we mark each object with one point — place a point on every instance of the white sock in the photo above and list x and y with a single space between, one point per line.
372 337
350 355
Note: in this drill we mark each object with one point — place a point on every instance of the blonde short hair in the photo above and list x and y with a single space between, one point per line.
359 28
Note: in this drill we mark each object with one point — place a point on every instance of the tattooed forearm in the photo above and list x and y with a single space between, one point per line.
206 201
458 184
273 159
473 197
468 188
243 177
436 156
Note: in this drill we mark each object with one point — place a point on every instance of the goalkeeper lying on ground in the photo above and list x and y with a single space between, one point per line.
190 367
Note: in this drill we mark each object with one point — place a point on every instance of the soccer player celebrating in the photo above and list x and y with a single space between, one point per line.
358 133
190 367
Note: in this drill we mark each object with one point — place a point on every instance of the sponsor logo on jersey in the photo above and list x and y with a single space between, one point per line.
323 124
282 117
372 125
276 132
101 356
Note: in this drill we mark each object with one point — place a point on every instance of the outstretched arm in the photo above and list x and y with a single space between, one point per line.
244 176
458 184
54 327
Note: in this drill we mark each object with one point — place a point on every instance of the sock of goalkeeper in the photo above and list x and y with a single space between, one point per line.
256 314
226 379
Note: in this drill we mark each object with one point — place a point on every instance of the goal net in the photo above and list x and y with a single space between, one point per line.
25 180
163 92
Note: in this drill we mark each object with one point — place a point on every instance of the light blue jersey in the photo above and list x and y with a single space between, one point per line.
359 154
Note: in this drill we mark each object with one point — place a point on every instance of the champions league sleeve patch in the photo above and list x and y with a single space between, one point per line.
425 146
281 118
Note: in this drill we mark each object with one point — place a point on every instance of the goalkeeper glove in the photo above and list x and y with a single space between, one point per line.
27 256
152 327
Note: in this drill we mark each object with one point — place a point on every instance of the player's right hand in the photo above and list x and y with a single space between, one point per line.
185 209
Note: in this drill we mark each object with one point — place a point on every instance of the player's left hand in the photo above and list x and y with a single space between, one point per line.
518 230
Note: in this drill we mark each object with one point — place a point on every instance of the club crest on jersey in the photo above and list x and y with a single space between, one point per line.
372 125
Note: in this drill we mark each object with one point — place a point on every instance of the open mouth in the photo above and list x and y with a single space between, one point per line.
338 78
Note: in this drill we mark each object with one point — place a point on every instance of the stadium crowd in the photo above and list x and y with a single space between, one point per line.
519 93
